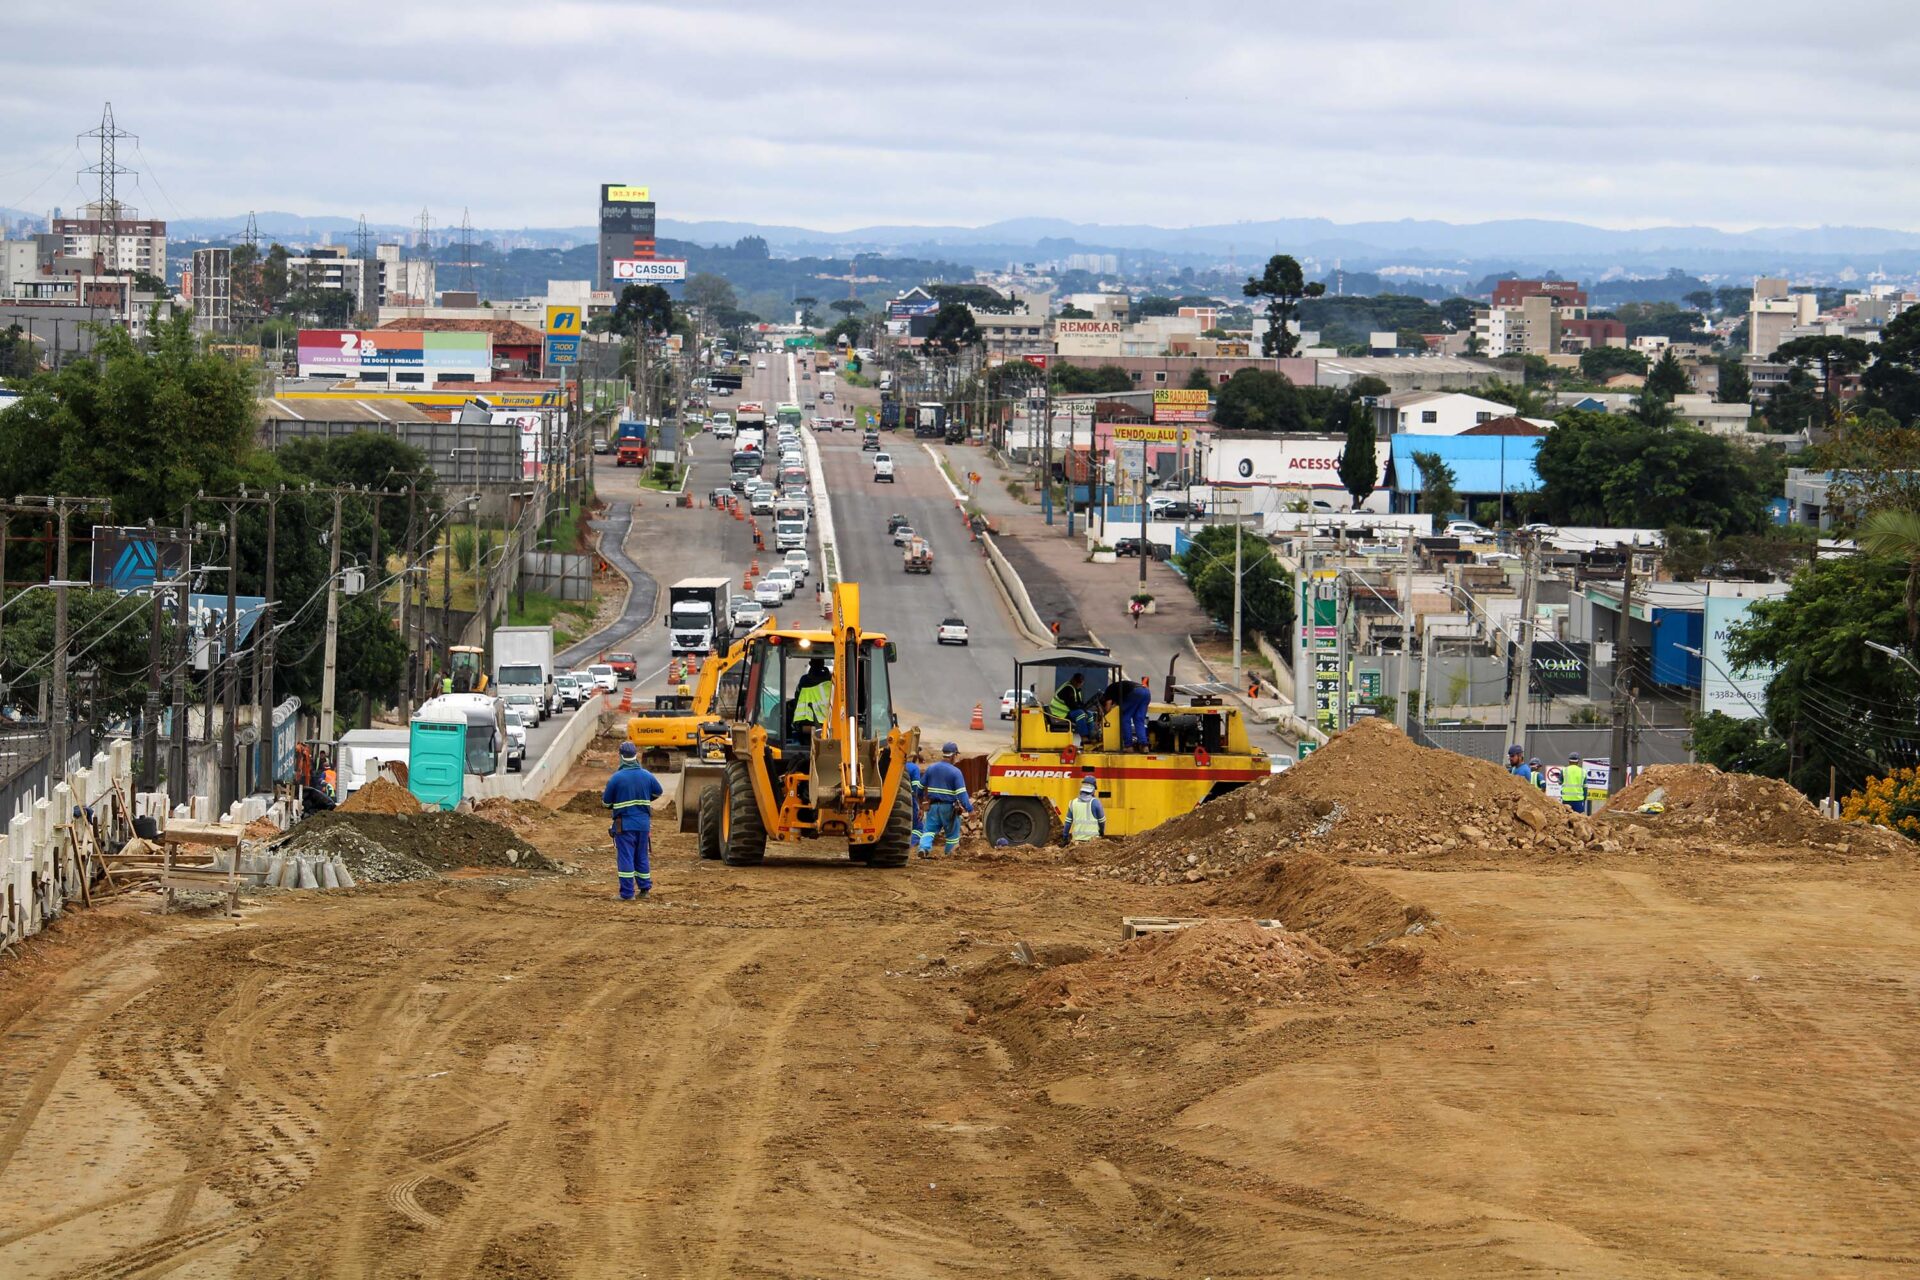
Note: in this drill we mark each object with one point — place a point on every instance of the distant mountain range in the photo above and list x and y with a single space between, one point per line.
1472 248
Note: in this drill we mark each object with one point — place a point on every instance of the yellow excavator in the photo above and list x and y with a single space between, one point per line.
836 770
467 669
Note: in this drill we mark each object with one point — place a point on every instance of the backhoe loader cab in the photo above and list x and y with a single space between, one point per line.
803 765
1197 750
467 667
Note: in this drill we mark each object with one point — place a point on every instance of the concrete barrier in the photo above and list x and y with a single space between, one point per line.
38 873
544 774
822 511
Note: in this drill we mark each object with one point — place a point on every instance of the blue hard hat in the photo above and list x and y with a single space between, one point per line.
950 749
1516 750
629 752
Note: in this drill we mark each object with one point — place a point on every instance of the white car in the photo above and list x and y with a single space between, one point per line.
528 705
1017 697
1468 530
883 467
951 631
744 613
784 576
566 688
797 561
768 592
903 535
759 364
516 740
762 502
604 677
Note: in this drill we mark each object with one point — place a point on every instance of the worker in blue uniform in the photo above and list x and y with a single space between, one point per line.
1131 699
946 798
916 792
1516 763
630 794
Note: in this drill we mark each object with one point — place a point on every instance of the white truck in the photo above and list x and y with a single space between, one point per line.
359 753
789 525
696 615
523 663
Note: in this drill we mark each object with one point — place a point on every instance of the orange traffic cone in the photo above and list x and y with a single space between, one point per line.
755 570
626 700
979 716
746 580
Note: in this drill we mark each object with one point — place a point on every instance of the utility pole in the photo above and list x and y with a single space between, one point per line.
1238 675
1622 675
1523 644
62 509
332 655
406 601
177 770
230 781
1406 633
156 649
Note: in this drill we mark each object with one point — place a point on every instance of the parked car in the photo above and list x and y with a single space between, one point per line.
1468 530
624 665
604 677
1017 697
797 561
951 631
600 444
784 576
516 739
903 535
1131 547
1175 509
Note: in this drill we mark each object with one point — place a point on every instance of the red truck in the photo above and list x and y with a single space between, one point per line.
632 453
623 665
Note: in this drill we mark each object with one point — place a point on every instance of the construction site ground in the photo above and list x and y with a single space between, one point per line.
1556 1049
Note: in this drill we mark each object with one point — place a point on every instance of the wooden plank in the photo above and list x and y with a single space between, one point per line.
1134 926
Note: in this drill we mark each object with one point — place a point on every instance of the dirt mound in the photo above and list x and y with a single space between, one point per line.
380 796
1312 895
1204 963
1217 838
1741 809
515 815
583 802
381 847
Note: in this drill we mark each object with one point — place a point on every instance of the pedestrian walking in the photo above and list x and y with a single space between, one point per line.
947 798
1086 816
1573 784
1131 699
630 794
1136 609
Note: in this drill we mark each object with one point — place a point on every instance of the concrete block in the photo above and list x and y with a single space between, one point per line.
308 880
345 876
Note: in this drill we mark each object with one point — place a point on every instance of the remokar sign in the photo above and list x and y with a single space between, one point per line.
1099 328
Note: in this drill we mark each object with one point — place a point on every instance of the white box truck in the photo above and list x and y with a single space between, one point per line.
523 663
359 753
697 615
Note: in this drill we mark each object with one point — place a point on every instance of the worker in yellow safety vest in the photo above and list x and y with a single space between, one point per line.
811 700
1573 785
1086 817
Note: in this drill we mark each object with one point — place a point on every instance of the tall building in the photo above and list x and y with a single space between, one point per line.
404 281
1531 326
1772 312
116 239
332 267
626 230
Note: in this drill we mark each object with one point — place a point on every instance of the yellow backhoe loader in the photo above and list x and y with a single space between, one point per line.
803 764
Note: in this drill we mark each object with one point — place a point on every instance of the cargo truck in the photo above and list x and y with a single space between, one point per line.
930 420
523 663
751 413
789 525
696 615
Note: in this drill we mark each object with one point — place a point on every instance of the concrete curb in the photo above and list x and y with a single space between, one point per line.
1026 619
546 773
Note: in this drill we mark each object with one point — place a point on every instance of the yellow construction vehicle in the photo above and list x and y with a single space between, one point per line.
1197 750
837 769
670 728
467 668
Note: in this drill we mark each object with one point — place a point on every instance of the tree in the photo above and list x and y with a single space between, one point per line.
326 308
953 329
109 641
1735 386
1597 364
1259 400
1369 387
1761 556
1699 299
1604 469
1283 285
273 274
18 356
1731 300
1666 379
1739 745
1198 379
1874 462
1437 497
1153 305
645 305
146 282
1837 702
1359 461
1266 588
1895 534
1524 401
709 292
1795 403
1892 382
1071 312
1077 380
1837 359
848 307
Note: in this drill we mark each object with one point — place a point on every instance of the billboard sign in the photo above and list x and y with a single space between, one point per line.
1180 404
1737 692
563 321
898 310
354 353
620 216
529 427
637 270
620 193
131 559
561 351
1148 435
1560 668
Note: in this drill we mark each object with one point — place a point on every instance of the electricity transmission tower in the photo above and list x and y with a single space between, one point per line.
107 169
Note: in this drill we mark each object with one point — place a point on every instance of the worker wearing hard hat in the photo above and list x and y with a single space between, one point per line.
946 798
1573 784
1516 763
1086 817
630 793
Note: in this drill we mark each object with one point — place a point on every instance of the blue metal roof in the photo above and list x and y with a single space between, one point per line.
1481 464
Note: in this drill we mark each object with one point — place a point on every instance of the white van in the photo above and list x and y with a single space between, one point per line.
883 467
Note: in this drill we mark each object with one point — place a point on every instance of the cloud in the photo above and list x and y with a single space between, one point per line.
858 113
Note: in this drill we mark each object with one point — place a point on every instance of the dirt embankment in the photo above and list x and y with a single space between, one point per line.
1702 804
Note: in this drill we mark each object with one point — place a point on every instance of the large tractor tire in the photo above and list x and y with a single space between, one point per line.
1018 820
713 839
745 838
895 845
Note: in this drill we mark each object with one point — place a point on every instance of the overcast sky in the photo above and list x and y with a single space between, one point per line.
1736 113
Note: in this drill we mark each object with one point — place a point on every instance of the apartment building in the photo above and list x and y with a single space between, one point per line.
114 239
1772 313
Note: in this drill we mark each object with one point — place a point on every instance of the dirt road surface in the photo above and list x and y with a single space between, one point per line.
1606 1066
